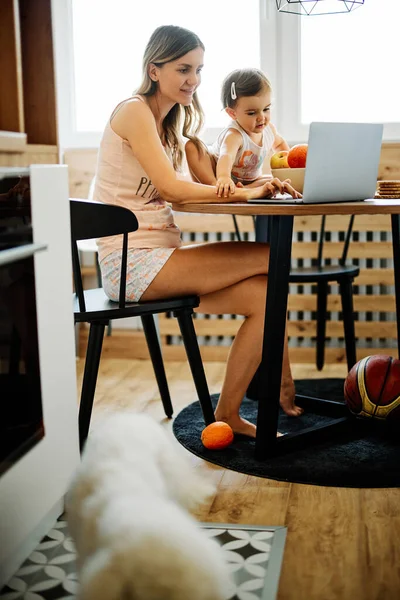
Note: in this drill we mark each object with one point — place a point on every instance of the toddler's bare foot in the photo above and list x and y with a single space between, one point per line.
287 399
239 425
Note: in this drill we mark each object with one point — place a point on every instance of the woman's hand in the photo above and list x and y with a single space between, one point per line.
270 188
225 186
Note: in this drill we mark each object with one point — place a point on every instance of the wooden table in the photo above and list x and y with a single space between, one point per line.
268 380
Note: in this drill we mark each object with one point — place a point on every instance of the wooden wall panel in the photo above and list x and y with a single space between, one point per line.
389 167
304 329
81 168
34 154
132 345
11 108
82 162
38 71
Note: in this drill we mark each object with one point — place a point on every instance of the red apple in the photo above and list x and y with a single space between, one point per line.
279 160
297 156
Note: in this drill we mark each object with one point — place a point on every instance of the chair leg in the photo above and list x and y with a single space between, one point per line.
98 273
92 362
196 364
100 284
322 296
346 293
153 345
237 230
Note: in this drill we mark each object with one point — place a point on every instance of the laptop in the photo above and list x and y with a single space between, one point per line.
342 164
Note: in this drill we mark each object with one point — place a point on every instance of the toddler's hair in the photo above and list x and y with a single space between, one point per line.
242 82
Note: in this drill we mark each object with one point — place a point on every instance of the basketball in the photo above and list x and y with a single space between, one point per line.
217 435
372 388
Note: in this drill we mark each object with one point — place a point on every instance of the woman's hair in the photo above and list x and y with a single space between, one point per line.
166 44
243 82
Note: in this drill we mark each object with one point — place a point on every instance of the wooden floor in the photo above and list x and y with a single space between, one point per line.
342 543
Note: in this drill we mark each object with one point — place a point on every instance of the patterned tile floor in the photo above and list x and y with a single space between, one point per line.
253 553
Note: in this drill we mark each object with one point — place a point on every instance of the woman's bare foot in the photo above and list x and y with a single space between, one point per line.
287 399
239 425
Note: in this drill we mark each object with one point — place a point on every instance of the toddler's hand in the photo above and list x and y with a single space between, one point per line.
225 186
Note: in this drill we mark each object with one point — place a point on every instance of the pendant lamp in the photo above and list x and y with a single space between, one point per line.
317 7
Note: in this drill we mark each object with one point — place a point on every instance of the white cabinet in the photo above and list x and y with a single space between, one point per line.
32 490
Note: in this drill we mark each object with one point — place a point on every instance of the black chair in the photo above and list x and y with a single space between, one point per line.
94 220
322 275
87 246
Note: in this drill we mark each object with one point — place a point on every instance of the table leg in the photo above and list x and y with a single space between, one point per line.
396 269
270 371
263 234
265 387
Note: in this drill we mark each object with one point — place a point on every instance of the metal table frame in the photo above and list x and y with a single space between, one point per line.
266 384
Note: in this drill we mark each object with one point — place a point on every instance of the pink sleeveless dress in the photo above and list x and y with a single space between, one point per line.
121 180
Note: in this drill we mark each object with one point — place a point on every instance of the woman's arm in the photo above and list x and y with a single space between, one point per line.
200 170
260 180
135 123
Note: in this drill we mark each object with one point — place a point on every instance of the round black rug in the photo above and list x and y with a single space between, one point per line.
372 461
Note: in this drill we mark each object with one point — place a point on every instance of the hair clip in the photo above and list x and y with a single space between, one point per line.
233 91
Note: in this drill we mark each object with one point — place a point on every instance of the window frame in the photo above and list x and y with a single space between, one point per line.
288 36
63 46
280 43
69 137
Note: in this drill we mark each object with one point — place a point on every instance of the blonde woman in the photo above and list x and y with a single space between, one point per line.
140 156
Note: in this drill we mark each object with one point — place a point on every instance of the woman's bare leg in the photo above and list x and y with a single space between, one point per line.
230 278
245 353
287 395
247 298
204 268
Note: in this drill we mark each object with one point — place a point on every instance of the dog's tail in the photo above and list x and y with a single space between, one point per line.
99 579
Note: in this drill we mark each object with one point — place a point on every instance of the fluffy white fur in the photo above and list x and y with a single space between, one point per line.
127 513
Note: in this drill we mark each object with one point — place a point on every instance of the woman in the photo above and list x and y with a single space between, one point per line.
140 155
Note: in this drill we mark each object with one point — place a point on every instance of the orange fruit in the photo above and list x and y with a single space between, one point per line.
297 156
217 435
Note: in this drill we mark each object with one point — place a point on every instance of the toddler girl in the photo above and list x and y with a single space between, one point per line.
237 156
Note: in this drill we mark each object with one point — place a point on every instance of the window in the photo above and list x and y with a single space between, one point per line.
107 41
342 68
329 68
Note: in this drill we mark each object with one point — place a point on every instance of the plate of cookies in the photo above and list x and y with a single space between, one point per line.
388 189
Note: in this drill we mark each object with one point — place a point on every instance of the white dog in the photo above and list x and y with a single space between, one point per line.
124 508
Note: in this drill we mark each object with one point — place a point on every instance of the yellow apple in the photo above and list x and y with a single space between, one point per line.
279 160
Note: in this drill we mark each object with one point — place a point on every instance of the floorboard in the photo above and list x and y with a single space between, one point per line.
342 543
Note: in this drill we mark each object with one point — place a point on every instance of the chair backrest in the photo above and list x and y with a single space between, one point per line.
347 240
90 219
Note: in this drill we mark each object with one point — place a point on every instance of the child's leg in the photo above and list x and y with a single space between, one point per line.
201 164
